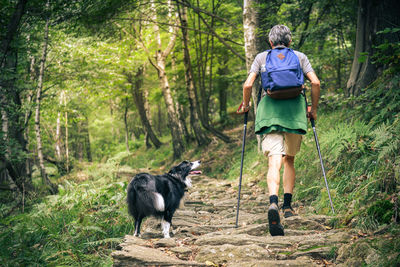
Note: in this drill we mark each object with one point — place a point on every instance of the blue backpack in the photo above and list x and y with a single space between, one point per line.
282 77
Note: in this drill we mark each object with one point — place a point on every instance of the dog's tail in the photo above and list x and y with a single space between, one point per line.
143 202
131 200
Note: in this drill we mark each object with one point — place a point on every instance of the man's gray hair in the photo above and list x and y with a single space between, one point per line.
280 35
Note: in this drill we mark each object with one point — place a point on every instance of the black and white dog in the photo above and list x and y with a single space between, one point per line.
159 195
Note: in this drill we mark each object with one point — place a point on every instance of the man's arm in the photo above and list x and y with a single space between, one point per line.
315 91
248 84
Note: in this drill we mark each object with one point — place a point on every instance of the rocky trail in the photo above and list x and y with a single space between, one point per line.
203 233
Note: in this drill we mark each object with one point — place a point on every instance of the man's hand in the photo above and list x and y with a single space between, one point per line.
243 108
311 113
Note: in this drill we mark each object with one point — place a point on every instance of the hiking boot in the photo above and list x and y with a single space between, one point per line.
288 212
275 226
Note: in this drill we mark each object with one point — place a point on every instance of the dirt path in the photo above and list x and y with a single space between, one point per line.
204 233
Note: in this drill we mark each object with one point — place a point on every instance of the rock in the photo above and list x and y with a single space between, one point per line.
231 253
181 250
134 255
316 253
240 239
301 223
281 263
165 243
133 240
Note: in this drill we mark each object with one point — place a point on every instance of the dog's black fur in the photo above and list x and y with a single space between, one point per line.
158 195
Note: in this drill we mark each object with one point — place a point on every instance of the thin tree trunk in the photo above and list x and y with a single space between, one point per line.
161 57
250 40
203 109
88 149
339 64
66 133
28 114
58 131
200 136
222 85
5 141
147 109
46 181
136 90
126 125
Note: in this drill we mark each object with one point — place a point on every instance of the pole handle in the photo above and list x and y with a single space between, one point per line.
311 119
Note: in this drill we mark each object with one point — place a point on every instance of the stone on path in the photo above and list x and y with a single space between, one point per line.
203 233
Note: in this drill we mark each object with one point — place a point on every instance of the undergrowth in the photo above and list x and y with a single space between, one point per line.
78 227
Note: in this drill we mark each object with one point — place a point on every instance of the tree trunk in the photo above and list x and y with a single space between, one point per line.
161 57
222 84
12 29
46 181
250 46
126 125
136 90
86 136
58 131
373 16
200 136
28 114
5 161
146 108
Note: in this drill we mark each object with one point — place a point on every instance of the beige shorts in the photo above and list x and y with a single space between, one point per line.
281 143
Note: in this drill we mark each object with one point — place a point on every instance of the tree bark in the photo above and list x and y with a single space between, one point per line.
88 150
250 39
373 16
200 136
161 57
202 110
12 29
222 84
126 125
46 181
137 93
58 131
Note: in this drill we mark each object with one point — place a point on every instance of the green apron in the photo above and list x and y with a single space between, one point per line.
281 115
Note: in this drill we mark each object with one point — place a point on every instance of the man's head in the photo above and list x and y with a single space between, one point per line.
280 35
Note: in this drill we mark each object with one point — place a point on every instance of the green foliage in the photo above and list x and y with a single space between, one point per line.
79 226
388 53
382 211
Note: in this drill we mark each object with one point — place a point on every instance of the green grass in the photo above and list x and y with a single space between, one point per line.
78 227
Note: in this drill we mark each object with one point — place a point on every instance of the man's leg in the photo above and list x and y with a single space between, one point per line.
273 175
273 178
273 146
289 175
292 146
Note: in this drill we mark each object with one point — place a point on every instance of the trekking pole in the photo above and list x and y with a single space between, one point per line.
320 157
241 163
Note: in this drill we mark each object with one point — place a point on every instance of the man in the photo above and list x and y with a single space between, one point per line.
283 122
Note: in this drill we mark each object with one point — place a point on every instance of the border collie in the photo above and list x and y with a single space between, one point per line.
159 195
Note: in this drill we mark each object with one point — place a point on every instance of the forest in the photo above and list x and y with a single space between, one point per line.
94 91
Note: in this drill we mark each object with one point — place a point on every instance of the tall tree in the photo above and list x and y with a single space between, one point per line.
250 24
200 136
160 65
136 82
46 181
373 16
